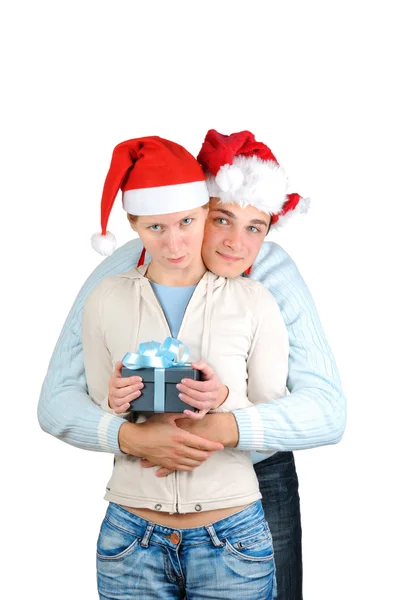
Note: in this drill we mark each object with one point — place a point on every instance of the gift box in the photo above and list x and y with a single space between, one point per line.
159 393
161 367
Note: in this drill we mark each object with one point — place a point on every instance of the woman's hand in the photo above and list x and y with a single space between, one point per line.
204 395
122 390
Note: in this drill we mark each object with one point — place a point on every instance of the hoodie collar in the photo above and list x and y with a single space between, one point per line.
139 273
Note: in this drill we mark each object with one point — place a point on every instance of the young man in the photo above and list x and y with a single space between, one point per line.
313 414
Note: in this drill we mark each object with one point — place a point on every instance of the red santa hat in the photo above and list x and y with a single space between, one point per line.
156 177
240 170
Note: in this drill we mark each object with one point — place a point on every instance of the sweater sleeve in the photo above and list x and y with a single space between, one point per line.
314 413
65 409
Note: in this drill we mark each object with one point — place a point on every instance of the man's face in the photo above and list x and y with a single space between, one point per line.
233 237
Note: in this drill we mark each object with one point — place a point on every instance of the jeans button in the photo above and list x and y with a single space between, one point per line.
174 538
198 507
158 506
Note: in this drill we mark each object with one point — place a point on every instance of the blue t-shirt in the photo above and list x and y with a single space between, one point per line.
174 301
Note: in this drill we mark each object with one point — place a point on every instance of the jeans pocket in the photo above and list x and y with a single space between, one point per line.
114 542
256 546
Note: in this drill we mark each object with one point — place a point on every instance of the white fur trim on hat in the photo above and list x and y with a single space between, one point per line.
302 208
229 178
103 244
165 199
261 183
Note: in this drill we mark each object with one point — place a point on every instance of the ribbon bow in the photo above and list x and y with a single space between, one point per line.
172 353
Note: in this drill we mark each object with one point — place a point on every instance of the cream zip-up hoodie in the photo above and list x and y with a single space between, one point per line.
236 327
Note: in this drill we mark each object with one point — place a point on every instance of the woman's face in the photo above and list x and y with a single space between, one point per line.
174 241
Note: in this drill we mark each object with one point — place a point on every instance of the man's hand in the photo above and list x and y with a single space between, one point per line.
204 395
122 390
219 427
162 443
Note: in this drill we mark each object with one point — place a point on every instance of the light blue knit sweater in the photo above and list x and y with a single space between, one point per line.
313 414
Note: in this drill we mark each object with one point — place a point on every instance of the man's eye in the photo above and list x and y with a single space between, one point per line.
154 227
253 229
221 221
186 221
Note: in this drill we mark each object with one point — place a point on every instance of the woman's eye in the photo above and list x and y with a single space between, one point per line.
186 221
154 227
221 221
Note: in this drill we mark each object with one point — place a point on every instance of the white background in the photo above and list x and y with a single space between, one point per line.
316 81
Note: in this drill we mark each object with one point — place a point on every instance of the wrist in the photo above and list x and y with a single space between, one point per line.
129 439
229 430
223 395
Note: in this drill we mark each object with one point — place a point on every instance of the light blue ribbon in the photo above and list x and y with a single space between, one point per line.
159 394
157 356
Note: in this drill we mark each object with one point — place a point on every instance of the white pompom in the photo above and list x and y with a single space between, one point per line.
103 244
229 178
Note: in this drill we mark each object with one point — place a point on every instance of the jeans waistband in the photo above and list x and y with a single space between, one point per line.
245 519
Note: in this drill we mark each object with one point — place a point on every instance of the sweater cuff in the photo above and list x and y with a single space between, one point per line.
108 433
250 429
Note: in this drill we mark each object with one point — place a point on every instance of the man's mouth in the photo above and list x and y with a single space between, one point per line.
228 257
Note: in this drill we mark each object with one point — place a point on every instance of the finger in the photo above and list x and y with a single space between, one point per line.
122 382
196 402
188 462
194 441
121 409
132 397
185 455
186 385
146 463
184 468
163 472
196 416
115 402
126 391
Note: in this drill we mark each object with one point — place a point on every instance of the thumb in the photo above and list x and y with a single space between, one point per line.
169 418
205 368
118 368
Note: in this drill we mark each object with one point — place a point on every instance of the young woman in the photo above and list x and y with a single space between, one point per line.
201 533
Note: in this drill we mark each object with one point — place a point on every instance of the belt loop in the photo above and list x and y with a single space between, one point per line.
213 536
147 536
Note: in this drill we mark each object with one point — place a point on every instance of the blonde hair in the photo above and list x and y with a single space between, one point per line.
132 218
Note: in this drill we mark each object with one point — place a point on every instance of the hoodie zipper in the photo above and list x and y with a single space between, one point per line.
177 496
205 342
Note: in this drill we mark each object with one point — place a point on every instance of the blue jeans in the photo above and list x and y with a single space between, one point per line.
281 503
231 558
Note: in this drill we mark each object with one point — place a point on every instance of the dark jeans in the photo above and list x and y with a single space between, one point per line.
281 503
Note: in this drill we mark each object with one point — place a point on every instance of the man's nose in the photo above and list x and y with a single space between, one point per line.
233 241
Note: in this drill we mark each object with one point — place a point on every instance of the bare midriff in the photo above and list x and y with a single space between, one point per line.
186 520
